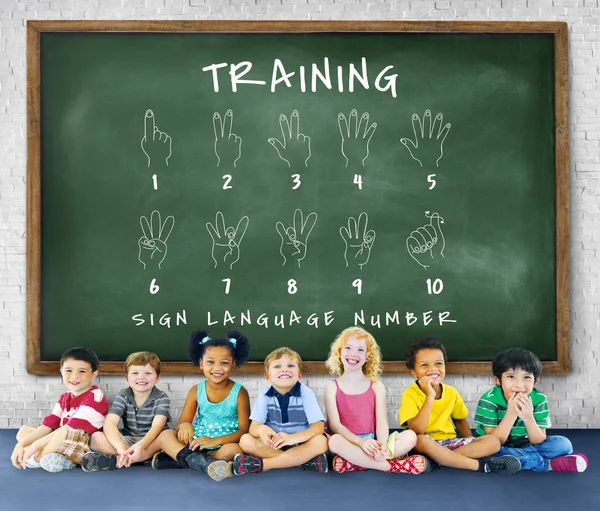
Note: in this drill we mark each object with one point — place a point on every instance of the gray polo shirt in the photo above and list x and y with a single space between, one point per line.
138 421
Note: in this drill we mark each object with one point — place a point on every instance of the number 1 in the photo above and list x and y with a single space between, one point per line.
155 181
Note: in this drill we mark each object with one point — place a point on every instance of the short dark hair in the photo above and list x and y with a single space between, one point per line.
83 354
426 343
516 358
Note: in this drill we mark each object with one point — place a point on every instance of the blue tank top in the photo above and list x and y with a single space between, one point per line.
216 419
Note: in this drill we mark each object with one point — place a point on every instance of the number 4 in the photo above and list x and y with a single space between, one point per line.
358 181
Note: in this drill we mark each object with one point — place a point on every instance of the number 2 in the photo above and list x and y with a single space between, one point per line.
226 185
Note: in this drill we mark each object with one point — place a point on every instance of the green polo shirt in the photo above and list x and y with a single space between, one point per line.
492 409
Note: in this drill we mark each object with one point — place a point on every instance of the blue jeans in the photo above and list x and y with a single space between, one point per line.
537 457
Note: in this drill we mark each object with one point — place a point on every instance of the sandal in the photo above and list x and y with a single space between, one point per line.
407 466
346 466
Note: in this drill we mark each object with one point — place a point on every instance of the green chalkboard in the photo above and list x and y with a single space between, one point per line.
293 184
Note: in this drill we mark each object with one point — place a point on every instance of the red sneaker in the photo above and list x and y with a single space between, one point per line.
569 463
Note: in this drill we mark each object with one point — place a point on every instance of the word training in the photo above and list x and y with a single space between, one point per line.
315 75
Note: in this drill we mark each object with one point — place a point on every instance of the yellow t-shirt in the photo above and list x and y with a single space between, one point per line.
449 406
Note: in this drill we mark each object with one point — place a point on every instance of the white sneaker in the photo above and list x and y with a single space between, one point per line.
32 463
56 463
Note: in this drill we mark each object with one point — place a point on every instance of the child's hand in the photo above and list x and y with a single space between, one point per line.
28 453
203 442
524 406
134 453
426 386
185 433
17 455
382 453
266 435
511 405
369 445
281 439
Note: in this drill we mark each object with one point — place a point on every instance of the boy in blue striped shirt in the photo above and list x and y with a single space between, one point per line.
287 428
517 413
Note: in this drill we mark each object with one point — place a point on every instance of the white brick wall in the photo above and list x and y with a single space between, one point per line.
574 399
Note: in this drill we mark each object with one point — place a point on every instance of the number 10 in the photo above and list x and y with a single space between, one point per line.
436 288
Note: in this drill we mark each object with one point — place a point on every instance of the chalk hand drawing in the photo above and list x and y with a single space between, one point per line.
355 136
226 240
294 148
358 240
426 241
153 244
228 146
156 144
294 239
429 138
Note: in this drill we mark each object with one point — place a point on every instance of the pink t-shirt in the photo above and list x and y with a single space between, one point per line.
357 411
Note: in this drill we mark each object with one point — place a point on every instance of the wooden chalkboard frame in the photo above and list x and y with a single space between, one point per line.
34 228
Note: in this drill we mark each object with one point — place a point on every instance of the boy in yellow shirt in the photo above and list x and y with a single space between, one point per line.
436 412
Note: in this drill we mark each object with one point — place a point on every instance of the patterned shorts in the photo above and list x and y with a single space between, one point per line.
75 445
455 443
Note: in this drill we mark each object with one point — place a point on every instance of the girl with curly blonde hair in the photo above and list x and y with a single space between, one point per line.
357 413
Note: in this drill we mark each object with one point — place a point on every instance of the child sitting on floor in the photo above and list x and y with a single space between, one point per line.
356 410
517 414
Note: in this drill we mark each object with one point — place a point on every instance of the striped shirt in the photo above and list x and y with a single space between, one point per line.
492 409
138 421
291 413
86 411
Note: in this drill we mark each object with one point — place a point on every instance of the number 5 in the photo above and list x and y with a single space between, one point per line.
430 179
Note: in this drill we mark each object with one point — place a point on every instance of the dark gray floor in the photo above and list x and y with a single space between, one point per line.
144 489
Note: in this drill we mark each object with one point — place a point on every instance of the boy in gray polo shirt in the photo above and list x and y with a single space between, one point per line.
144 410
287 428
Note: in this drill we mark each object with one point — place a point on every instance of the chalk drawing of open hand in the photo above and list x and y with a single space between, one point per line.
356 136
427 146
427 241
226 240
294 239
358 240
228 146
156 144
153 244
294 149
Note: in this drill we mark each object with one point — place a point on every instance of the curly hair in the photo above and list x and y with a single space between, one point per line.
372 368
236 342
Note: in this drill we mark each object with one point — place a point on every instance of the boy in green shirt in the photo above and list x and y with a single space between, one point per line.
517 414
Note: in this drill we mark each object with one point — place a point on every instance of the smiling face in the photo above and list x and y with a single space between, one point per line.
429 362
354 353
284 373
77 375
216 364
142 378
514 381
